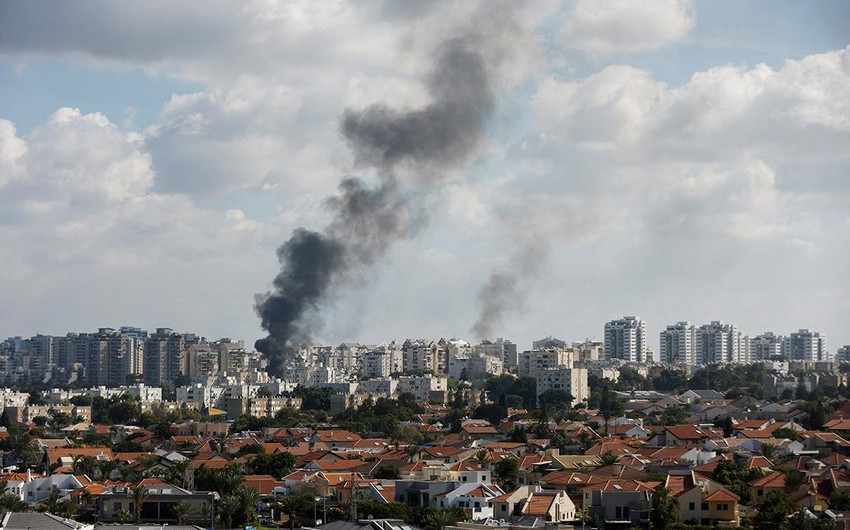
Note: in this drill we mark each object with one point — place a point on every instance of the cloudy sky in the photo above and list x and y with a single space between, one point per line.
672 159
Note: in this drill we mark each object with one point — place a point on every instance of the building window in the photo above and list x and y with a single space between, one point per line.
692 506
704 506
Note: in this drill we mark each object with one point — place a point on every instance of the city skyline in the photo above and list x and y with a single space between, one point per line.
679 160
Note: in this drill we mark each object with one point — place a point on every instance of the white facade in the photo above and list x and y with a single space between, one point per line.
626 339
377 363
422 387
767 346
807 345
678 344
719 342
571 380
532 362
378 386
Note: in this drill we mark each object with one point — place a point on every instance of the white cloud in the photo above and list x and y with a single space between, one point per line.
84 154
12 149
609 27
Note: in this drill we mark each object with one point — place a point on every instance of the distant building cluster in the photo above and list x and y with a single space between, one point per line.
717 342
112 357
223 375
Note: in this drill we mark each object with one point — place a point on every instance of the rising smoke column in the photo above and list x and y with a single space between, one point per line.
367 220
504 291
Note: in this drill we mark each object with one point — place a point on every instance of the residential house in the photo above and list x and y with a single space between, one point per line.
701 500
475 499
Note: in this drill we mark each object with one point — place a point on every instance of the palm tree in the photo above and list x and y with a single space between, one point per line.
177 473
181 510
793 479
440 519
52 503
248 499
227 508
412 449
67 509
608 458
88 464
295 505
482 458
106 468
147 461
140 495
769 450
124 516
208 513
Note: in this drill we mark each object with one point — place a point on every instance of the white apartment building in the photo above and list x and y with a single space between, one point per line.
386 387
377 363
843 354
12 398
475 365
422 387
678 344
719 342
571 380
767 345
807 345
504 349
626 339
533 361
588 350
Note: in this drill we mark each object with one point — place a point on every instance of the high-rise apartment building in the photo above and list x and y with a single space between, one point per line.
768 345
807 345
625 339
165 356
678 344
843 354
719 342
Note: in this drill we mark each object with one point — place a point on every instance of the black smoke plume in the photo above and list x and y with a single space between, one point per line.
421 143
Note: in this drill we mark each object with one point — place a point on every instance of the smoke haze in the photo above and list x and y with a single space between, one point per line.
422 143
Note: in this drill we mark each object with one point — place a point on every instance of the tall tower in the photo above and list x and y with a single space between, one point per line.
807 345
626 339
719 343
678 344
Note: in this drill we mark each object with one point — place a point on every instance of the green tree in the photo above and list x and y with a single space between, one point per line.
296 505
608 458
839 501
506 472
494 413
228 509
248 499
51 504
675 415
663 513
440 519
803 520
140 495
387 472
275 464
123 515
769 450
773 511
181 511
555 398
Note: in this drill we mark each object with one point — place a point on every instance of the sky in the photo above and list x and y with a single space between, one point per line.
671 159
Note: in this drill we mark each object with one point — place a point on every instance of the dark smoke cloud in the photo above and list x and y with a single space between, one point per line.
367 220
445 132
505 290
